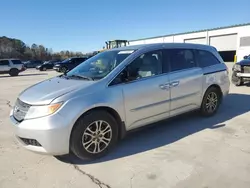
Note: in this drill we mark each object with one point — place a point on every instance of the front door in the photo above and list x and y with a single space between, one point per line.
185 81
146 94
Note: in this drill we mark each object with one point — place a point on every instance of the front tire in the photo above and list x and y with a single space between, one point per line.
211 102
13 72
94 135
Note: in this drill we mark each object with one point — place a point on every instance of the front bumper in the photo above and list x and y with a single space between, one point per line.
244 75
51 132
23 69
56 69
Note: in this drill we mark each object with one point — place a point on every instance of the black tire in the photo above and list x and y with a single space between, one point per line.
237 81
44 69
205 109
63 69
13 72
84 122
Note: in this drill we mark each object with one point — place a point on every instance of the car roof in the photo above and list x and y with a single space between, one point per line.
166 45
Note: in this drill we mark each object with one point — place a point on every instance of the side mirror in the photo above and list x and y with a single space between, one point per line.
124 75
129 74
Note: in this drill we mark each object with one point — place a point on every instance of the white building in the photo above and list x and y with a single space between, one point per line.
229 41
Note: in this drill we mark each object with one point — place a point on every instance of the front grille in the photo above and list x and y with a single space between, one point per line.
246 69
20 110
31 142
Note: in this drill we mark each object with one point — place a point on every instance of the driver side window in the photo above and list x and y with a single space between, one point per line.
146 65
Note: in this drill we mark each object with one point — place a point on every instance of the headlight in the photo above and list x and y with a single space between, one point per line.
40 111
237 67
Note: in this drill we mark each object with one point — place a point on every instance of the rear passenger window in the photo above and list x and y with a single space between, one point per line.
16 62
4 62
206 58
181 59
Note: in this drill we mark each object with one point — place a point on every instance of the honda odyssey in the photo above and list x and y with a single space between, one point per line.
88 109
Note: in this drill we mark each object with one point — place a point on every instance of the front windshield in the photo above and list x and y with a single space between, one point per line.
100 65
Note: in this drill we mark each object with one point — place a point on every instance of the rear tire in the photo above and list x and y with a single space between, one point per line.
44 69
13 72
94 135
237 81
211 102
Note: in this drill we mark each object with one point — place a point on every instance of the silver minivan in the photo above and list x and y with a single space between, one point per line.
87 110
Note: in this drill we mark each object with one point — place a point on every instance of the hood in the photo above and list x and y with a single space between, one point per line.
245 62
46 91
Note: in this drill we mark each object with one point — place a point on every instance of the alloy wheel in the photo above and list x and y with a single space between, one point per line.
97 136
211 102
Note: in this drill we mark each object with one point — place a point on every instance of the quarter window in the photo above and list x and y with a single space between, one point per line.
4 62
206 58
181 59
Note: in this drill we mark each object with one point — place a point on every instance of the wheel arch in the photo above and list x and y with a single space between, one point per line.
111 111
13 68
215 86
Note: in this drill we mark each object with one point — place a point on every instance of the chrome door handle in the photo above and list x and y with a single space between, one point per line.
164 86
175 83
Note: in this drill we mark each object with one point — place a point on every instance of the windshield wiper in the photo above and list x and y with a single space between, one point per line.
81 77
63 75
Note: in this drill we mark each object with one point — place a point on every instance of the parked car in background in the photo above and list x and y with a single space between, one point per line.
241 72
247 56
47 65
11 66
32 63
69 64
88 109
